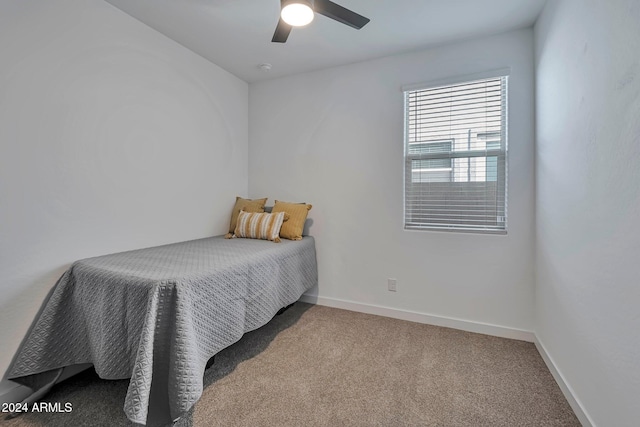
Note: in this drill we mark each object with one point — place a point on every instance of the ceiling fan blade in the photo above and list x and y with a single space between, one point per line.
282 32
340 14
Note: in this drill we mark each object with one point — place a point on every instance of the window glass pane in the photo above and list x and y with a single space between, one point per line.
492 169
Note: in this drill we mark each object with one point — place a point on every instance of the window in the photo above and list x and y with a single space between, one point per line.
456 156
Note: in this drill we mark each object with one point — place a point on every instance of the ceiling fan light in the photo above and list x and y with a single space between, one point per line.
297 14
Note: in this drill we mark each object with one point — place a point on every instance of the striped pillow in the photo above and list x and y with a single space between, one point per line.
255 225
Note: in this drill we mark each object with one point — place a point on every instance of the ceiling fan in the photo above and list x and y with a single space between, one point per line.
298 13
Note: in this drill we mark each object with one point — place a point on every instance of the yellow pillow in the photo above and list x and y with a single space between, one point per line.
247 205
256 225
292 229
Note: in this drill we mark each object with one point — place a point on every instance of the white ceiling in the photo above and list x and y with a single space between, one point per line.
236 34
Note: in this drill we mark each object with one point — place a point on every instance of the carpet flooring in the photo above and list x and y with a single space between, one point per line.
320 366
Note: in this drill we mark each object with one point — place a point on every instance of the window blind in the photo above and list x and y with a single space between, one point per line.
456 157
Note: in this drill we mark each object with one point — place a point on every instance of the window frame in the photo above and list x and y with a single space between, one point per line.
501 153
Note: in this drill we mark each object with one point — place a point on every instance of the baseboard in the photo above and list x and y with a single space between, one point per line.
11 392
430 319
574 402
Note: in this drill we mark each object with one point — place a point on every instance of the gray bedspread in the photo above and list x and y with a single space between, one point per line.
157 315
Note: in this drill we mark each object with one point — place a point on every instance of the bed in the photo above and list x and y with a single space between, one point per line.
157 315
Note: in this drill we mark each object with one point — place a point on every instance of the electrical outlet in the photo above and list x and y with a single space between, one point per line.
391 284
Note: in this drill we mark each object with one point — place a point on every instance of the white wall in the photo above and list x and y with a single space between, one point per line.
334 138
588 201
112 137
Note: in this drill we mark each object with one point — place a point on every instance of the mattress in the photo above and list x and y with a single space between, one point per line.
157 315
